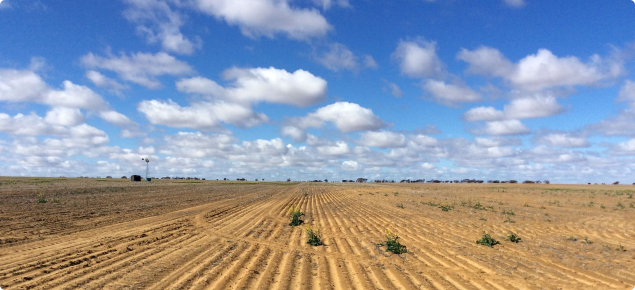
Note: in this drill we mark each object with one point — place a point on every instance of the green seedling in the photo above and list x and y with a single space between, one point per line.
487 240
392 244
512 237
295 213
446 207
315 236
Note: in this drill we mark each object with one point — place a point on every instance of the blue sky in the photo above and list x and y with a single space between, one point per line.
315 89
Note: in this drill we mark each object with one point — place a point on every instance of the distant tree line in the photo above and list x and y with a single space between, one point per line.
363 180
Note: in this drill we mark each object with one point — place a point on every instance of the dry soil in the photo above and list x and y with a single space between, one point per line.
115 234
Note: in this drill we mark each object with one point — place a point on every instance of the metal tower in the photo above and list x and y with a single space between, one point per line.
147 160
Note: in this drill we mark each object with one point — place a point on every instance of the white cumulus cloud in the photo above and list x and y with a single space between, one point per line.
497 142
64 116
347 117
533 107
483 114
392 88
536 106
339 148
116 118
257 18
31 124
564 140
350 165
542 70
252 85
5 5
21 86
428 166
140 68
27 86
627 92
339 57
623 148
486 61
200 115
505 127
418 58
101 80
449 94
295 133
382 139
75 96
370 62
159 22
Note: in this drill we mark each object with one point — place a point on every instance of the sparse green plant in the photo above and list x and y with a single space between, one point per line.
620 248
315 236
619 205
446 207
55 200
630 195
526 204
487 240
295 213
602 206
509 220
400 205
508 212
512 237
385 194
587 241
542 207
396 193
573 239
476 205
429 203
392 244
306 194
483 219
41 198
606 247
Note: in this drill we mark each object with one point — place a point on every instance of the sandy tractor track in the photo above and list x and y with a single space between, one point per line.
114 234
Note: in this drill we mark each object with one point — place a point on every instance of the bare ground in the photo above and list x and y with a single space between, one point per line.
115 234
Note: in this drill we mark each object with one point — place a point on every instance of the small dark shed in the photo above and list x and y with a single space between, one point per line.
135 178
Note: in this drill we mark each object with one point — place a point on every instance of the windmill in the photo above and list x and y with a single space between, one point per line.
147 160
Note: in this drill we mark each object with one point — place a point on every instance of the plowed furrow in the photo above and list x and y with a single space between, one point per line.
255 270
107 267
238 270
182 275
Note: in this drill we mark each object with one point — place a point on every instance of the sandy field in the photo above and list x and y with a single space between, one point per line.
115 234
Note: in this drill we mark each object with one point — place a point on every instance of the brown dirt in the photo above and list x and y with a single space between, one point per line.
115 234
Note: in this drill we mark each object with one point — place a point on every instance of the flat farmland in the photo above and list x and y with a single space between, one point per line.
60 233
